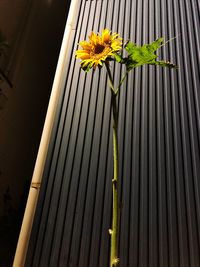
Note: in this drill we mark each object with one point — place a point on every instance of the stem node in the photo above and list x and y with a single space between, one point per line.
115 262
114 181
110 231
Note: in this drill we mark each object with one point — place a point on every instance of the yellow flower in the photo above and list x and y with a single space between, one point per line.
98 48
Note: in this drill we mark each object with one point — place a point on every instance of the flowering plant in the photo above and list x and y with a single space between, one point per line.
97 52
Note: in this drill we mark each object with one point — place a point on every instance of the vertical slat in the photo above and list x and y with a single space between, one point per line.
153 203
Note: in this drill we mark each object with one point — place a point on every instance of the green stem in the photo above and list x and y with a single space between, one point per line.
110 78
114 232
120 83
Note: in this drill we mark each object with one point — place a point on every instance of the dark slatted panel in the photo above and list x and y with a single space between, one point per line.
159 134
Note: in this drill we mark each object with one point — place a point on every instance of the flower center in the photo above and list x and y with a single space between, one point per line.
99 49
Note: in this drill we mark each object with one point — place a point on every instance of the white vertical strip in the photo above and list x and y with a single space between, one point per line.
26 227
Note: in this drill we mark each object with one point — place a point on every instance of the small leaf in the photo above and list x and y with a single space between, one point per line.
168 64
118 58
86 68
146 54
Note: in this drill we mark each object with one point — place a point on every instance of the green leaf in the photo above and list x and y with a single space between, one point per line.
168 64
156 44
146 54
86 68
118 58
130 47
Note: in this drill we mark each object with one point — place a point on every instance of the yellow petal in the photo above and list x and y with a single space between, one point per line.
93 38
85 45
106 35
82 54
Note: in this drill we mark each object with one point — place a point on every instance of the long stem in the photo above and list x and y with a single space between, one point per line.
115 219
120 83
114 232
110 79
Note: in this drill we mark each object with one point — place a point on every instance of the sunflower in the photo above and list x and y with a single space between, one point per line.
98 48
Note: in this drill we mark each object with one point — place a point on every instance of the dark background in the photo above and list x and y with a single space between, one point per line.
34 31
